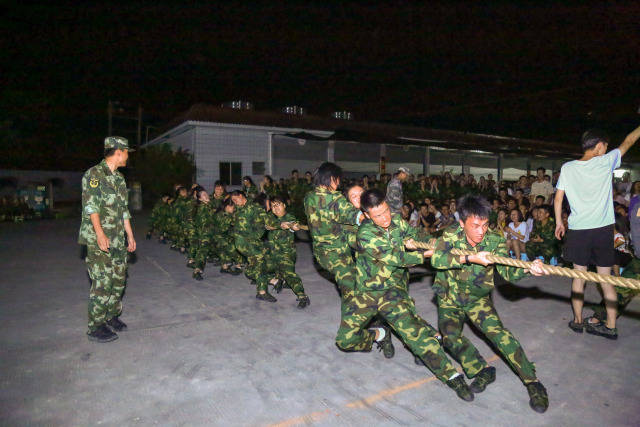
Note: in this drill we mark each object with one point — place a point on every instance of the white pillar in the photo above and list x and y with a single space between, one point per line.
331 151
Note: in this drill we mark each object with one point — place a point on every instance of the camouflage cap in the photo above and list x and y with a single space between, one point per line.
117 142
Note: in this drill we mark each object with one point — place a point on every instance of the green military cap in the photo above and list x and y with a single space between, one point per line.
117 142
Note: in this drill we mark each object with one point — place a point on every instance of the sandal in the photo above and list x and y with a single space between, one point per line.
602 330
576 327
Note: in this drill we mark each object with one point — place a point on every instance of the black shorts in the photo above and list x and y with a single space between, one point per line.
592 246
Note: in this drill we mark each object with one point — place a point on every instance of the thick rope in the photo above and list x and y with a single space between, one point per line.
548 269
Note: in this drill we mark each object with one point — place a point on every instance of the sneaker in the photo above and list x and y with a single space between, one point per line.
116 324
538 398
235 271
303 302
485 377
386 345
183 250
266 297
461 388
102 334
601 329
191 263
197 275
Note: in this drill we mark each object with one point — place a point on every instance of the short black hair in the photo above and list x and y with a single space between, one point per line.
350 186
261 199
225 203
541 169
546 208
248 178
108 152
237 193
218 183
591 137
294 171
370 199
278 199
269 179
473 205
325 172
540 196
178 189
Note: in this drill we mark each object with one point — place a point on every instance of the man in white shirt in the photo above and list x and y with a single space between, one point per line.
541 187
587 185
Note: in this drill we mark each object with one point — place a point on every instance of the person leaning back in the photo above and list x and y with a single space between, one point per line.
105 220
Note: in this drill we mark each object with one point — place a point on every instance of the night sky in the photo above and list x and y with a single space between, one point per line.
530 69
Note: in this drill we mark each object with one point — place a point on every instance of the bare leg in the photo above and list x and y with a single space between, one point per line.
516 248
577 295
610 298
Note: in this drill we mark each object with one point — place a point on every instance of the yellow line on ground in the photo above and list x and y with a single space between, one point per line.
362 403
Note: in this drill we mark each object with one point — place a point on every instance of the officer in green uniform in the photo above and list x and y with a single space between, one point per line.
105 220
542 239
382 264
281 252
463 285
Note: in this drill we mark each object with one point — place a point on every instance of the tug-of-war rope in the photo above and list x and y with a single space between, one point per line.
549 269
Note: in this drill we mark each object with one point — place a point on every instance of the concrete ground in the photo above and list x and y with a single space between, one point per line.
209 353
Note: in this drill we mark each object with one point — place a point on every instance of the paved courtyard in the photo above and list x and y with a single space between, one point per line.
209 353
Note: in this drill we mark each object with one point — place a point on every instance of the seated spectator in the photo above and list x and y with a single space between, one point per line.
453 209
542 240
446 218
623 254
405 211
414 219
516 233
501 223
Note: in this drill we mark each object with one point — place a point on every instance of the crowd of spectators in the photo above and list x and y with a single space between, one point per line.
522 210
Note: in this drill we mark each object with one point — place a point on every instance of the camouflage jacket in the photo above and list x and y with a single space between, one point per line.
327 213
182 210
547 232
282 241
464 283
381 259
105 193
250 192
216 203
204 221
156 214
224 223
251 220
394 195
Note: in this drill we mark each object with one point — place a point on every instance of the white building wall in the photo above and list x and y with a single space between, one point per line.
229 144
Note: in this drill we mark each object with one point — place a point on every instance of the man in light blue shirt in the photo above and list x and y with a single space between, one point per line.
587 183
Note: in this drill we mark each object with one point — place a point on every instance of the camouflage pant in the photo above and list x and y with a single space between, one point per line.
482 314
341 266
395 306
536 249
226 250
199 252
108 273
283 266
255 253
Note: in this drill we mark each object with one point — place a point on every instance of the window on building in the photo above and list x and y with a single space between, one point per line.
231 173
257 168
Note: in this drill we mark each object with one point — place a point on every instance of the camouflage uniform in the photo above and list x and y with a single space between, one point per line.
381 288
463 292
394 195
250 222
182 213
156 216
105 193
327 213
201 242
225 240
548 248
281 256
250 192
